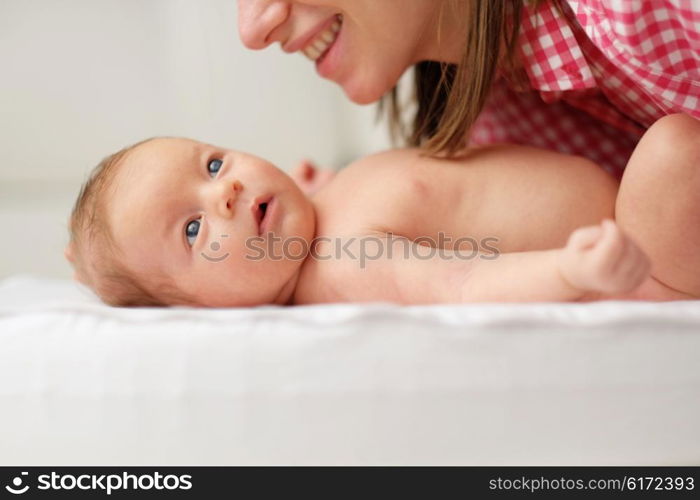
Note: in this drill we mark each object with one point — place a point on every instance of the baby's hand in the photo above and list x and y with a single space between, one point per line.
603 259
310 178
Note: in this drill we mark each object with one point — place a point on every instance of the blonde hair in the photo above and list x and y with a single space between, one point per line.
95 255
450 97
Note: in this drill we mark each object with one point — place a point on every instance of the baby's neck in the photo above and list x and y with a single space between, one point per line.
286 295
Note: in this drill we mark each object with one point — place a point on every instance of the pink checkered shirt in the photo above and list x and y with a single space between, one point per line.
598 77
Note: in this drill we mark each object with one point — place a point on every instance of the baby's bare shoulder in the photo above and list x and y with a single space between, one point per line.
386 174
369 191
382 164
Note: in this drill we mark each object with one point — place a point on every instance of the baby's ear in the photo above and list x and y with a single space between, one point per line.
69 253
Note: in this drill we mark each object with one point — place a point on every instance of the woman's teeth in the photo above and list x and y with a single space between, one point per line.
325 39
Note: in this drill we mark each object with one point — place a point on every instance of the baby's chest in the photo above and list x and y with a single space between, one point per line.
420 204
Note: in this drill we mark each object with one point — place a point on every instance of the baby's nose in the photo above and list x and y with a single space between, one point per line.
226 198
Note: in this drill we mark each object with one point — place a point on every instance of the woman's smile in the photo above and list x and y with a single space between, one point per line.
329 58
320 43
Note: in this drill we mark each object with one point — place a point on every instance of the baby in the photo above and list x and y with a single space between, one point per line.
176 222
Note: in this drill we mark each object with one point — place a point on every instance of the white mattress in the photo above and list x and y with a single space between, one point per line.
600 383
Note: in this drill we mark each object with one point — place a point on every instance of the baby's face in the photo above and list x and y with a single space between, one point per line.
225 226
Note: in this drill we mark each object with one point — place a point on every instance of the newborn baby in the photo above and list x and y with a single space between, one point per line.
177 222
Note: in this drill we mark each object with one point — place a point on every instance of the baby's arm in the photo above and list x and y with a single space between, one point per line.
596 259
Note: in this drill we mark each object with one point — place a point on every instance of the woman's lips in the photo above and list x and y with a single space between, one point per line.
328 62
318 46
304 40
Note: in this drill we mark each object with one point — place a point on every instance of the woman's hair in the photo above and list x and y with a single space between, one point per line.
450 97
95 255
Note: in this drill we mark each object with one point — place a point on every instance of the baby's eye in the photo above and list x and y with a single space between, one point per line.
192 230
214 166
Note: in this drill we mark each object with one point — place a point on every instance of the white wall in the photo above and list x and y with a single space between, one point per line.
80 79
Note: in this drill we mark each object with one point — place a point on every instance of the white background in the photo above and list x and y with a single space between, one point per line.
80 79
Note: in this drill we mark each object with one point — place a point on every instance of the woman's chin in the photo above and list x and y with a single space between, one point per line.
363 92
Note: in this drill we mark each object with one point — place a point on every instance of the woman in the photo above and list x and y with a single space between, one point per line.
584 77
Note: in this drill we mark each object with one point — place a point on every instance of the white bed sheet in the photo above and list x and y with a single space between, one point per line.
600 383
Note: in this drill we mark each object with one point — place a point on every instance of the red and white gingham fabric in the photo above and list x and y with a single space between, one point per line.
599 76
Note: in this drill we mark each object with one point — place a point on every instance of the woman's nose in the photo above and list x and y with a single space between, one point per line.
258 21
224 197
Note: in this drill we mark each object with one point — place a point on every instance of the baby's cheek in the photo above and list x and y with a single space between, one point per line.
217 249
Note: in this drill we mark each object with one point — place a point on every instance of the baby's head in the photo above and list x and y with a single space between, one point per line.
172 221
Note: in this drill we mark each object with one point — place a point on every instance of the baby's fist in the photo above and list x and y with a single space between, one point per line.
603 259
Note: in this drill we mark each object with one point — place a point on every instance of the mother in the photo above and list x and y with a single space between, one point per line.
584 77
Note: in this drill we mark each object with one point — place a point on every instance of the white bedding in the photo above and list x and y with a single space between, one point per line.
600 383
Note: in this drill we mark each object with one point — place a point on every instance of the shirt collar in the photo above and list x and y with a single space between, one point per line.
551 56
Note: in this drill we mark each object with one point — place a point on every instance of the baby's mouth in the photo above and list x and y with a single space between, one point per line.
260 210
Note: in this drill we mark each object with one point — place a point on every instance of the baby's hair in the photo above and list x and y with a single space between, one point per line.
95 255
